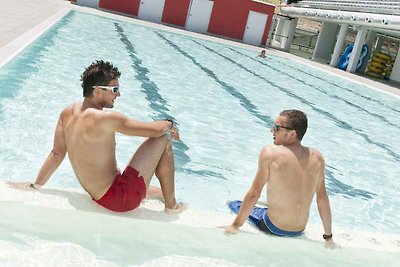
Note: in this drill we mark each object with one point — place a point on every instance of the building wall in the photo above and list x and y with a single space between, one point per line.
130 7
229 17
395 76
175 12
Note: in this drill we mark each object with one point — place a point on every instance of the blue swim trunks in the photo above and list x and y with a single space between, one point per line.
259 217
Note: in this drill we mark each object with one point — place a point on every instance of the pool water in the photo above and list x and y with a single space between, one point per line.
224 100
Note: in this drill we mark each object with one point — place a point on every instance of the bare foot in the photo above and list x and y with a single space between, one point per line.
231 230
331 244
179 207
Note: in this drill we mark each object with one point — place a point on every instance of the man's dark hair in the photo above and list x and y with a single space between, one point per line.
297 120
98 73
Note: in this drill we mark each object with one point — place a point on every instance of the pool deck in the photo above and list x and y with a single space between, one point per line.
23 21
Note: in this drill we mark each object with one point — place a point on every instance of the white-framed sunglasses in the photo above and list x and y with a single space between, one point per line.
114 89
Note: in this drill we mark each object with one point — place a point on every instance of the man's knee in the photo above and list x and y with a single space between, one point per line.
164 140
168 143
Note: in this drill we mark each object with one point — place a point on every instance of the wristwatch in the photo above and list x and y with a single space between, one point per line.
172 123
327 237
32 186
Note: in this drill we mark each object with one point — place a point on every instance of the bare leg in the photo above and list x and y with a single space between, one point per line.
164 170
155 156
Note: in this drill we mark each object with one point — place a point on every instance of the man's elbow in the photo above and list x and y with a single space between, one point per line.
322 201
252 194
58 154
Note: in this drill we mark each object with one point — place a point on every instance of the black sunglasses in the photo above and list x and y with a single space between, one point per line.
276 127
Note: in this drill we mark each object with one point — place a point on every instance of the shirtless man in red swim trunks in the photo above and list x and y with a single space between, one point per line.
87 133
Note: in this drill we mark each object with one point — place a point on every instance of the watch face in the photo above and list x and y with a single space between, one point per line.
327 236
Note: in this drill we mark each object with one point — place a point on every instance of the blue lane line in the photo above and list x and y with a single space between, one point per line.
337 86
159 104
338 122
320 90
244 102
336 187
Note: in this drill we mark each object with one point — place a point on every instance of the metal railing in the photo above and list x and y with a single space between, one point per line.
304 40
391 7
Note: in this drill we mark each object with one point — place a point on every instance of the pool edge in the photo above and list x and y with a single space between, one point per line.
13 48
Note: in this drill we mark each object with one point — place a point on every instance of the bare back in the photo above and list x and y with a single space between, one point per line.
293 180
90 150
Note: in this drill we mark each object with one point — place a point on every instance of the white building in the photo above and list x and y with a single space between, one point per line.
374 21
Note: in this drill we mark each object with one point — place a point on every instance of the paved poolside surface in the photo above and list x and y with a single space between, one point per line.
19 16
23 20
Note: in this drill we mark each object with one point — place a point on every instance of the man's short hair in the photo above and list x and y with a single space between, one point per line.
297 120
98 73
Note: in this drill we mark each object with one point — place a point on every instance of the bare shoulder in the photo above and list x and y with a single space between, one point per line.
267 149
68 110
95 115
112 114
316 155
106 120
274 149
104 114
269 152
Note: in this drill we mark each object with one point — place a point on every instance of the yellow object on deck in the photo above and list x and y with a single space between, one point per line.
377 65
378 60
383 56
373 74
376 70
380 64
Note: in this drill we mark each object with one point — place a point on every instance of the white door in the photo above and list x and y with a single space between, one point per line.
255 27
199 15
89 3
151 10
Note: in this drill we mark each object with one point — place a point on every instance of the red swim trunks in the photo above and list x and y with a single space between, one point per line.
125 193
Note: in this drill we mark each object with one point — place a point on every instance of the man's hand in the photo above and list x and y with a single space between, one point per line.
231 230
331 244
174 133
22 185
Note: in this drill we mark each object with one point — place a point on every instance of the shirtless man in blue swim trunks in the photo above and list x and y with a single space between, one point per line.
293 174
86 132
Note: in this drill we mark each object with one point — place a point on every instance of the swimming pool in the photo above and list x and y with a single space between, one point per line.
224 100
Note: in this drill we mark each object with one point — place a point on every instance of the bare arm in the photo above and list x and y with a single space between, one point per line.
323 201
53 161
117 122
253 194
55 157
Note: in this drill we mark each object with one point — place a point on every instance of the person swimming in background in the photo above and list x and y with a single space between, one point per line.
87 133
293 174
262 54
